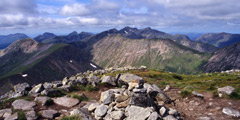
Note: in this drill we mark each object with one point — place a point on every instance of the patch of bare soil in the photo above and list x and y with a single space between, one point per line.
193 107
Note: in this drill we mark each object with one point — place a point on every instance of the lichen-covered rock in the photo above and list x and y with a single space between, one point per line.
5 112
50 114
47 85
137 113
107 97
109 80
117 115
20 88
101 110
78 112
31 115
154 116
131 80
37 89
23 104
66 101
93 106
42 99
12 117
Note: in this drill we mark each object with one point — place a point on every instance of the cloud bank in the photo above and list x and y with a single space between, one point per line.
168 15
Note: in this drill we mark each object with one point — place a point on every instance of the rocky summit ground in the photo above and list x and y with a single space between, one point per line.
127 94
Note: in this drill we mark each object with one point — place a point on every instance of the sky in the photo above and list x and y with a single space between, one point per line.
34 17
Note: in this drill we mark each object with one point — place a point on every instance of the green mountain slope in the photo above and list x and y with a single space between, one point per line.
116 51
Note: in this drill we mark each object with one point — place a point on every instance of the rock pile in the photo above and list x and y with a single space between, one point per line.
136 100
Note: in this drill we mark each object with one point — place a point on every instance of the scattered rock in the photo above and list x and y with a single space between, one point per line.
31 115
197 94
226 90
137 113
107 97
78 112
131 80
12 117
231 112
37 89
117 115
23 104
167 88
154 116
162 111
121 98
93 106
101 110
48 85
42 99
5 112
22 87
110 80
66 101
50 114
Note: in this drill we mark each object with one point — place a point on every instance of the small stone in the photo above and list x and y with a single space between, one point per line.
117 115
110 80
101 110
50 114
197 94
19 88
226 90
154 116
48 85
172 111
12 117
167 88
31 115
231 112
162 111
23 104
37 89
42 99
66 101
5 112
121 98
122 104
107 97
93 106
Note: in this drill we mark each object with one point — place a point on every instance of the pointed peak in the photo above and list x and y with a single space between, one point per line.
73 33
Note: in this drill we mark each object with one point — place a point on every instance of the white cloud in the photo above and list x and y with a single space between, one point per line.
76 9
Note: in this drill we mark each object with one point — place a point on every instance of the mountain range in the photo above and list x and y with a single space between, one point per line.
50 57
219 39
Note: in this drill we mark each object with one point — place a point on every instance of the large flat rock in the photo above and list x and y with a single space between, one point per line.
66 101
22 104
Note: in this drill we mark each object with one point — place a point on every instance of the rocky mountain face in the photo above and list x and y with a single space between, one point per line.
6 40
72 37
28 60
148 33
115 50
224 59
219 39
44 36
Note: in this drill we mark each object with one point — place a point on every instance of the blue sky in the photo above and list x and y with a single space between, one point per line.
34 17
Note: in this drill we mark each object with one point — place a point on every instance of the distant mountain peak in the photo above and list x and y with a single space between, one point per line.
26 45
73 33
